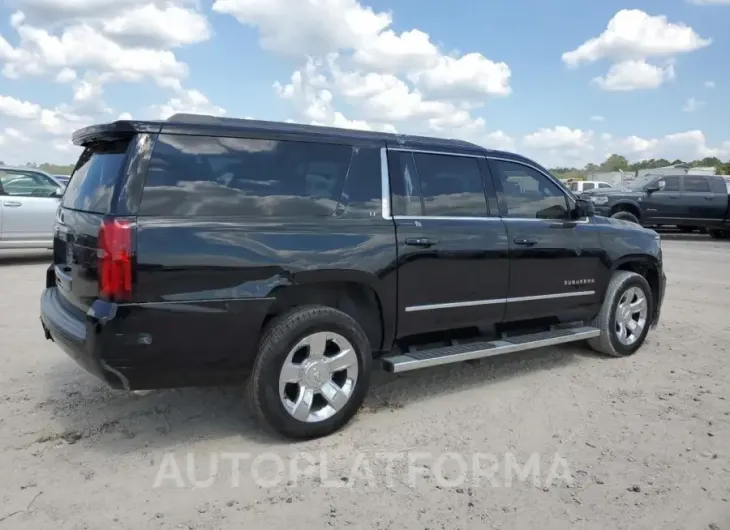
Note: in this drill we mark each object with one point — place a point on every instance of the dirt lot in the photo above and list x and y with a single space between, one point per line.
620 443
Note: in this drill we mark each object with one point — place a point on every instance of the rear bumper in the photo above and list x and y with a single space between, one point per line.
76 337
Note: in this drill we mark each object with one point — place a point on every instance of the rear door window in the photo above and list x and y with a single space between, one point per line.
97 172
213 176
696 184
451 186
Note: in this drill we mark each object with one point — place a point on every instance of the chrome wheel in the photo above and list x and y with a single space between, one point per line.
318 377
631 316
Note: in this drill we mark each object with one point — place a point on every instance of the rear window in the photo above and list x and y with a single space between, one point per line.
215 177
92 182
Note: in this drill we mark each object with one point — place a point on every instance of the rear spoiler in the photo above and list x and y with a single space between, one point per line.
114 131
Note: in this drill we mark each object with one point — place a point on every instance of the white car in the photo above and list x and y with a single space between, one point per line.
579 186
29 199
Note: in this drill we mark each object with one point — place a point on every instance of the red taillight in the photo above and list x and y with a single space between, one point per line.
115 254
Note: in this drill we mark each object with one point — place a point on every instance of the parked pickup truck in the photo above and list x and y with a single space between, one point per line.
203 250
686 201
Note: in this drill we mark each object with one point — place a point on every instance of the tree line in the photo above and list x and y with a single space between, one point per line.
620 163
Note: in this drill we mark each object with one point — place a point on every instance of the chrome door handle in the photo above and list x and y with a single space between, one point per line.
525 242
11 204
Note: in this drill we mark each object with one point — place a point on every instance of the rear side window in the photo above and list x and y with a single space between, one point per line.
438 185
696 184
97 171
212 176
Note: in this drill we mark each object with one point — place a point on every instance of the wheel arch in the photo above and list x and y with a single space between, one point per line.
644 265
626 206
353 292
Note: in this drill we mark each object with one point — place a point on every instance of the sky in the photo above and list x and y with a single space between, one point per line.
565 82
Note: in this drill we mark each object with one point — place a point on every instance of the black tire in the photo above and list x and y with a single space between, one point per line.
607 342
686 229
626 216
280 337
718 234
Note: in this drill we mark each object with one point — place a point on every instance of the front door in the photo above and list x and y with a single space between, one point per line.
663 205
28 208
453 257
555 263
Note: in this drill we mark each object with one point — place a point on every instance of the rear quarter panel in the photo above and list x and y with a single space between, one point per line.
207 285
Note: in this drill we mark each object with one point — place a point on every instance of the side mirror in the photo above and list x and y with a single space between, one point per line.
58 192
583 208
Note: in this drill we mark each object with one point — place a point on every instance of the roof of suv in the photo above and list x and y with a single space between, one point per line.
203 124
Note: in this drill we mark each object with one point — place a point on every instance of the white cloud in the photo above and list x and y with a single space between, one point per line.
187 101
316 28
634 75
693 104
16 108
631 37
709 84
633 34
561 146
597 118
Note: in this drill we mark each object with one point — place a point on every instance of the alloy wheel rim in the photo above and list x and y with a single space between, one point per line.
631 316
318 377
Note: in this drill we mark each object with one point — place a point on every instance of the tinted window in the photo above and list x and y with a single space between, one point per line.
588 185
451 185
671 184
361 194
604 185
527 193
698 184
573 186
26 183
92 182
211 176
404 183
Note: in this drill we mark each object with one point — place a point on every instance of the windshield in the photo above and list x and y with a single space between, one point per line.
639 182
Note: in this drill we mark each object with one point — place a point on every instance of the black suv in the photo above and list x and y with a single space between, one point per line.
201 250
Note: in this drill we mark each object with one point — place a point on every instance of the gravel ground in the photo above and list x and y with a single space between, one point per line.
614 443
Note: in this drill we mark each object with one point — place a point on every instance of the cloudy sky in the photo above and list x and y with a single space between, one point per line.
564 81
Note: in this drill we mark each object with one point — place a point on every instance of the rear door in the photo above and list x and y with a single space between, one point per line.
86 201
29 204
555 262
452 254
701 202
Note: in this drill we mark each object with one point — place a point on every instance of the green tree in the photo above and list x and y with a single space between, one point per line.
615 163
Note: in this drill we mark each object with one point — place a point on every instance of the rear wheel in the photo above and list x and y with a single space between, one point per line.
625 316
626 216
718 234
312 372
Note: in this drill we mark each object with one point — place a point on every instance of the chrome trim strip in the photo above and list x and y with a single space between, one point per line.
450 218
427 152
473 303
404 363
385 184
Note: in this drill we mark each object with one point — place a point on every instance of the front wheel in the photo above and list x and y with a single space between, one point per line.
312 372
626 216
718 234
625 316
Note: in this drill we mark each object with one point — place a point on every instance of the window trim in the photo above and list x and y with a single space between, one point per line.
386 189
